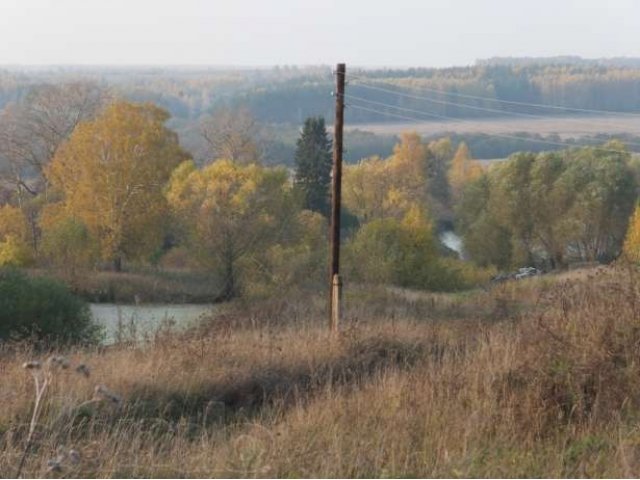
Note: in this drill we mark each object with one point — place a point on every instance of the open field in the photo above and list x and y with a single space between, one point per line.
565 127
531 378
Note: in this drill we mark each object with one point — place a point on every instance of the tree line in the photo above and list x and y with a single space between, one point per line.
290 94
550 209
96 182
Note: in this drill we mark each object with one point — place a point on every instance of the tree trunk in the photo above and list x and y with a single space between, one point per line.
229 286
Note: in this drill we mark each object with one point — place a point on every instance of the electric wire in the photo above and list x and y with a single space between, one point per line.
489 99
503 112
505 136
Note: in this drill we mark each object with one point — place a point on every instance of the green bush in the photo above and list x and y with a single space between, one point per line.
43 309
403 253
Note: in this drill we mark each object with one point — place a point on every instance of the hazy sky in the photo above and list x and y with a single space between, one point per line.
279 32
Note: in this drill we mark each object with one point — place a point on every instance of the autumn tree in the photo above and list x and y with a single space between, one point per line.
549 208
438 168
511 204
365 187
632 238
463 169
67 244
231 134
550 197
602 195
487 241
376 188
313 165
32 130
111 174
14 248
233 213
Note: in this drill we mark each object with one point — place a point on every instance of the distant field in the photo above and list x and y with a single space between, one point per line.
565 127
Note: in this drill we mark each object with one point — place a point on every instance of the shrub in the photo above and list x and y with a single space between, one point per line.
632 240
401 252
14 250
404 253
67 245
43 309
578 356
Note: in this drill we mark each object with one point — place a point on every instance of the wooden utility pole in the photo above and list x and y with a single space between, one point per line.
335 282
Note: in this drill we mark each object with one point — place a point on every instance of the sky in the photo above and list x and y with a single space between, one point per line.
429 33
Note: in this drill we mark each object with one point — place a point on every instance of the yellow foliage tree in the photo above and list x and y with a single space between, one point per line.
112 173
365 188
13 237
66 241
632 239
376 189
463 170
231 212
401 251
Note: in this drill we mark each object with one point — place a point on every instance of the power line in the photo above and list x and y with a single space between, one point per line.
482 109
445 102
478 97
485 109
437 115
388 105
444 117
509 137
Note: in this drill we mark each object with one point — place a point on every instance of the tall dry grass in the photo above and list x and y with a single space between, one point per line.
534 378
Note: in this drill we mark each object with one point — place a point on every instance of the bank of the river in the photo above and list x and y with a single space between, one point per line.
148 287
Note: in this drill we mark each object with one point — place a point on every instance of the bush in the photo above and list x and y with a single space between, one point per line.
404 253
14 252
67 244
43 309
578 355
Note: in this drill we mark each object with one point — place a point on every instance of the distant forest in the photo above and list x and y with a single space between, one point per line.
282 97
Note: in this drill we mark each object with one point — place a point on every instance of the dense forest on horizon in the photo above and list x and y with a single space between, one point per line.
281 97
288 94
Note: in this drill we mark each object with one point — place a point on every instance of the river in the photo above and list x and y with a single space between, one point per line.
451 240
135 322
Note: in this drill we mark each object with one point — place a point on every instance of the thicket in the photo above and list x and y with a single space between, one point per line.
42 309
549 209
397 201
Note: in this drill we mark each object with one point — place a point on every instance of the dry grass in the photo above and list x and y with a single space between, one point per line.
533 378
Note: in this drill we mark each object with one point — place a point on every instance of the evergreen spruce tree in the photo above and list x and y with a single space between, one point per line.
313 165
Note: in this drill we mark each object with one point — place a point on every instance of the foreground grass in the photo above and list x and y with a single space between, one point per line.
534 378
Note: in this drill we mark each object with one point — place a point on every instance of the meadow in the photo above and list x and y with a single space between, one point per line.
563 126
535 378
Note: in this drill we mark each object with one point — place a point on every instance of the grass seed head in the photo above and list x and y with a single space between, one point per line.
82 369
74 457
54 465
58 361
103 393
33 365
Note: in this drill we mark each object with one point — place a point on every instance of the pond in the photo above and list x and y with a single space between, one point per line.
135 322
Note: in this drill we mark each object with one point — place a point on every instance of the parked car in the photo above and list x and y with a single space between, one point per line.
526 272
